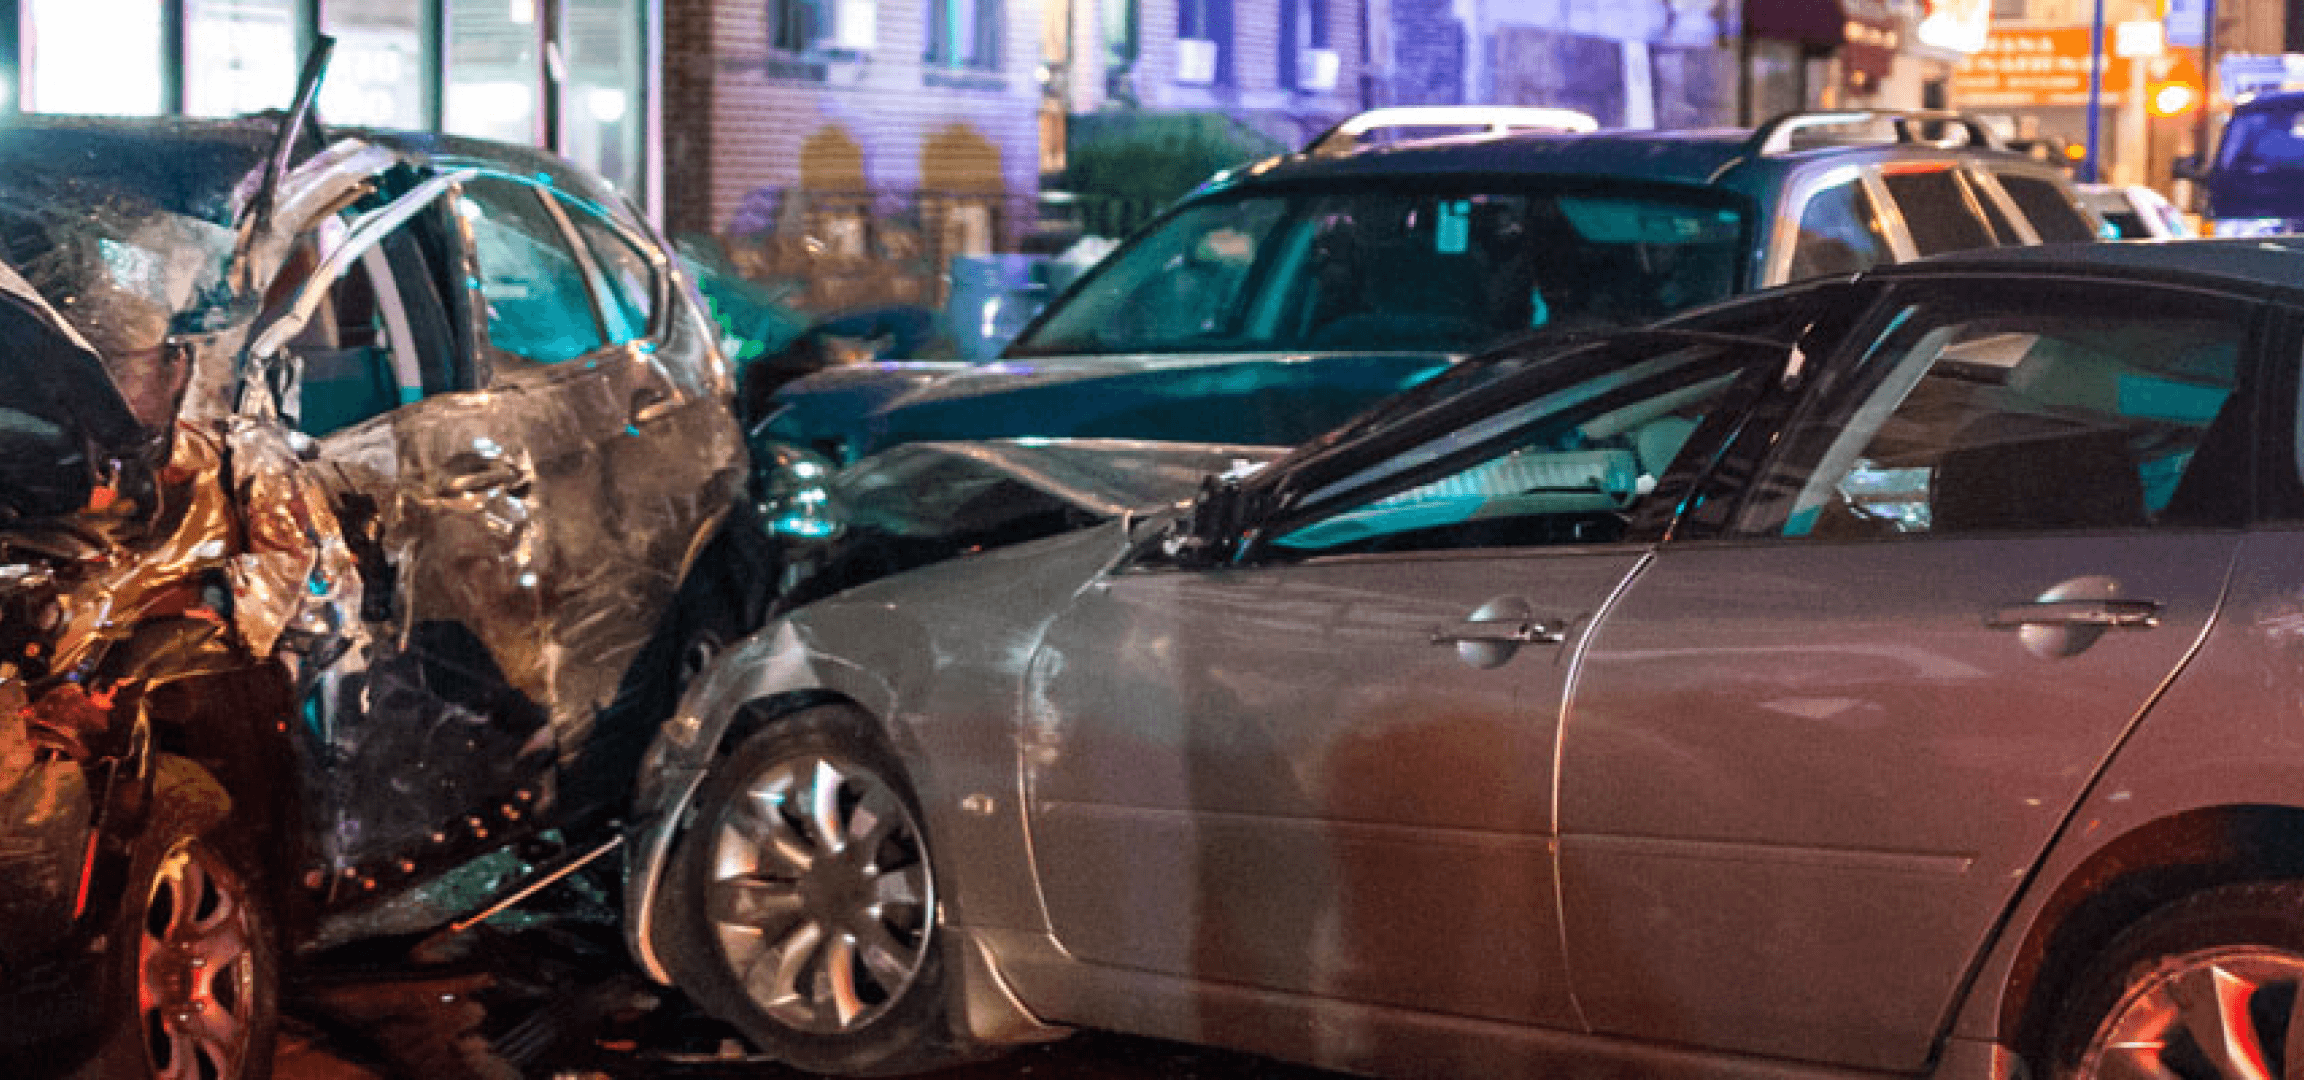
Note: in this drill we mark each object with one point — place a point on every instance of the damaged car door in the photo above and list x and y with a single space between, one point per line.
519 474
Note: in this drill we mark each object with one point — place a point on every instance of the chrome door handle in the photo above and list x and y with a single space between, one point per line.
1514 631
2117 614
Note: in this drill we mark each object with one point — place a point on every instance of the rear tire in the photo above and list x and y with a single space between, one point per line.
2211 986
801 901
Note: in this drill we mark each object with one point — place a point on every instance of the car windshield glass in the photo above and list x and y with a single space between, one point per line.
2268 138
1376 270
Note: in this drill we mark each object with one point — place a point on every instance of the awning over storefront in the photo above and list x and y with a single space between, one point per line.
1818 24
1873 36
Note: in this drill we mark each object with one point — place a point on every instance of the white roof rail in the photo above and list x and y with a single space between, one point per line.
1775 136
1492 119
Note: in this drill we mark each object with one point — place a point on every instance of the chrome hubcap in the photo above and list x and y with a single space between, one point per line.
2225 1013
196 984
820 894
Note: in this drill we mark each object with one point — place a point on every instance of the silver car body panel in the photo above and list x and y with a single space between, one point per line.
964 632
1932 757
1195 737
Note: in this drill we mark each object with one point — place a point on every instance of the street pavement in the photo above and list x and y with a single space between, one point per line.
429 1031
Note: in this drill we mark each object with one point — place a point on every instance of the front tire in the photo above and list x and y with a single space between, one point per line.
198 976
2211 986
802 901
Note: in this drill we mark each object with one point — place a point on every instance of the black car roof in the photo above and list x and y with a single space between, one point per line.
182 166
2264 266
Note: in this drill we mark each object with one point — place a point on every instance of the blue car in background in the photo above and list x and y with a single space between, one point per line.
2255 181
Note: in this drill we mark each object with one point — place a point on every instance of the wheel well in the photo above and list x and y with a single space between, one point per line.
235 724
2129 878
763 711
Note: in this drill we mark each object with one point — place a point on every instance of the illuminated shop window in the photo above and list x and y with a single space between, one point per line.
602 115
493 73
240 56
83 56
377 75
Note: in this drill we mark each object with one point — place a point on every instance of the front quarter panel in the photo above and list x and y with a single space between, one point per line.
936 657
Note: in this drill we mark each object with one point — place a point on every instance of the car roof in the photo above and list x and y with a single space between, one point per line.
1691 156
113 157
2263 266
2273 99
205 159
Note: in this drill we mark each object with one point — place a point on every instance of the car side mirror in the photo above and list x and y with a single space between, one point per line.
1203 536
2191 167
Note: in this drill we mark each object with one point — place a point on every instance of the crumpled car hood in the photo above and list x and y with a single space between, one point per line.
452 637
922 503
63 419
1242 398
949 488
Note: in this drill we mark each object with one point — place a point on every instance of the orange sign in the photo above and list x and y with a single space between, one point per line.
2035 66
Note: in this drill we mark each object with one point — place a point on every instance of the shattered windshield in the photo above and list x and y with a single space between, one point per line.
1385 269
130 247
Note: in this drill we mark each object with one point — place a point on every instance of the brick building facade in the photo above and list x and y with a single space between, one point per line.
852 145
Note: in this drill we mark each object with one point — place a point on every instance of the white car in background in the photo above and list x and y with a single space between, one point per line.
2136 211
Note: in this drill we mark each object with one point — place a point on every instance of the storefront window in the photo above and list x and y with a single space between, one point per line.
602 116
84 56
377 75
246 57
493 74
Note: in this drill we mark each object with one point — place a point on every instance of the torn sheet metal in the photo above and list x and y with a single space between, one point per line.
918 503
459 585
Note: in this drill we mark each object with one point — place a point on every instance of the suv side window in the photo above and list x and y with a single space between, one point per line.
1973 414
2051 212
1839 233
538 304
630 278
1936 208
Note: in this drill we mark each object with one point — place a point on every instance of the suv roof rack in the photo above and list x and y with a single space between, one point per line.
1493 119
1775 136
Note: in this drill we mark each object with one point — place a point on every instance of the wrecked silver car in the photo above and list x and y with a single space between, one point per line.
375 489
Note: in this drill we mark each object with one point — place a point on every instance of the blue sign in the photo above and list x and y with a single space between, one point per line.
2186 22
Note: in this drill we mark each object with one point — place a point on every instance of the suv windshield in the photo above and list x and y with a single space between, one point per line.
1383 269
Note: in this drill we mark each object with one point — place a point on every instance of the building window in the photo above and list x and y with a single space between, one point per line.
812 27
377 75
246 56
94 56
964 33
494 74
1306 61
1203 42
602 111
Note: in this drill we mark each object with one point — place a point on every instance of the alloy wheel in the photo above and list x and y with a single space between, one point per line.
197 974
820 893
2230 1014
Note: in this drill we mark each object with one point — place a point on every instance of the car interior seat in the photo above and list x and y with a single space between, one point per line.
2070 479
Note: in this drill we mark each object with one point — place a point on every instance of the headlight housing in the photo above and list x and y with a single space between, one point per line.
795 497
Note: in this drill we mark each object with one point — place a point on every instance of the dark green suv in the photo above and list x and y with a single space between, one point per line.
1283 296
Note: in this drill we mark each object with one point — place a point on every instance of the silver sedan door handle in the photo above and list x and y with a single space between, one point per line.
1514 631
2116 614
